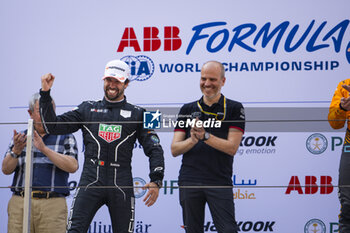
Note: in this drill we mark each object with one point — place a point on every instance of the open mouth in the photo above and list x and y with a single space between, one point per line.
112 91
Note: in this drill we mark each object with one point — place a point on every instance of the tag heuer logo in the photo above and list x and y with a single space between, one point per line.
110 133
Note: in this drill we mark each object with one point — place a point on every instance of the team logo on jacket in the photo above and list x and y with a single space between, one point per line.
110 133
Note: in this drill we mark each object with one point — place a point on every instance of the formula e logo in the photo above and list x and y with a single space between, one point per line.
316 143
141 67
315 225
152 120
110 133
138 184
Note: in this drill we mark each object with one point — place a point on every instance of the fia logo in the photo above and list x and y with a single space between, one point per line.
152 119
141 67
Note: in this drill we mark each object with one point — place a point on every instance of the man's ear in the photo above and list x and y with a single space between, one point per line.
126 83
223 81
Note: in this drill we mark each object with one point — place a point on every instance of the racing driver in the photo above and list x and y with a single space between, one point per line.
110 128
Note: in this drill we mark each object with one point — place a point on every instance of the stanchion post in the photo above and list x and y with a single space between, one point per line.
28 179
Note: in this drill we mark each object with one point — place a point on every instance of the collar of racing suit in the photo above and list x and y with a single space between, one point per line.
109 104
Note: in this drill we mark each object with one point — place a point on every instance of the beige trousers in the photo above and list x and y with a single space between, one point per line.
47 215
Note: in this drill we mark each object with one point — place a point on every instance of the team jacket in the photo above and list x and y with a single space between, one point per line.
337 116
109 133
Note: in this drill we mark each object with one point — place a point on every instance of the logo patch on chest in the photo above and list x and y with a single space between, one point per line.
125 113
110 133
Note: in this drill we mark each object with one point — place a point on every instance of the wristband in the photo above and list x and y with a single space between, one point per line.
159 183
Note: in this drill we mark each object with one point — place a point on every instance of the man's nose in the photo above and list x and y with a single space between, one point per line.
207 83
113 84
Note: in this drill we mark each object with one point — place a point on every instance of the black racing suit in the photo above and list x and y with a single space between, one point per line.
108 145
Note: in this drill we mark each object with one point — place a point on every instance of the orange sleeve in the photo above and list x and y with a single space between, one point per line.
337 116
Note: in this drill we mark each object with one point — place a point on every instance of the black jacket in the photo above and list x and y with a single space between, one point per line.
109 133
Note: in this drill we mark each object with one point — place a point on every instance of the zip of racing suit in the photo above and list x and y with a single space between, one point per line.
108 142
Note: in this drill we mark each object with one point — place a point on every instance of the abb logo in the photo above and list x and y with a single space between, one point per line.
311 186
151 40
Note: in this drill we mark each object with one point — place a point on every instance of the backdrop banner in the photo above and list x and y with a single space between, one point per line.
283 61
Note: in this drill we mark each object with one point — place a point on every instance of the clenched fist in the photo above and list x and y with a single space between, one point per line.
47 81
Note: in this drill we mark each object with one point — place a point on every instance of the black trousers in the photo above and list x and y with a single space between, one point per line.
87 201
221 206
344 192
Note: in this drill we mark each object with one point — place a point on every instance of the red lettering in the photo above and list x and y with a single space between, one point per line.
151 41
294 184
129 40
311 186
326 185
172 40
